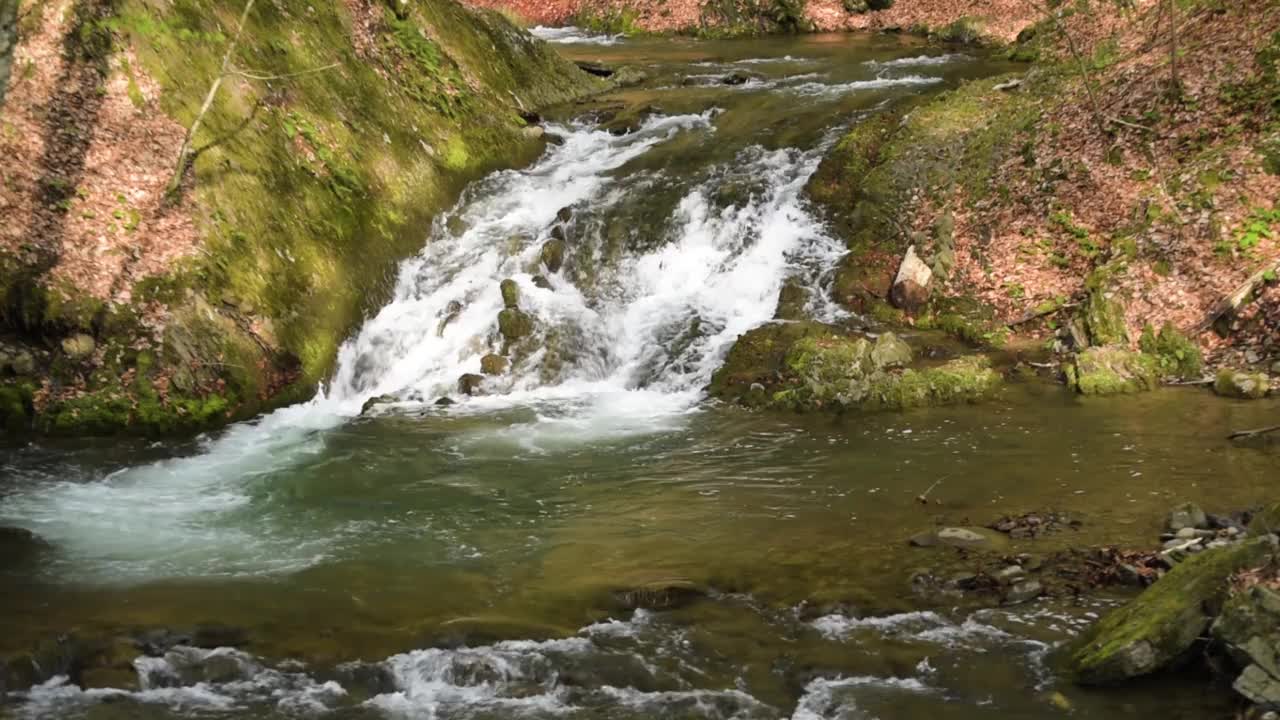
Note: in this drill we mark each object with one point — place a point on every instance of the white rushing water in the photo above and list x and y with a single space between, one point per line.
570 35
637 347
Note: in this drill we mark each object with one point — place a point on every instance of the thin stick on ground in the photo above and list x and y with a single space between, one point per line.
185 151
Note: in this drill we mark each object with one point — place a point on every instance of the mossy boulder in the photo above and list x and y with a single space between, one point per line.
1156 630
510 293
890 351
515 324
1104 320
1248 628
552 255
79 346
755 365
1241 384
964 380
493 364
1111 371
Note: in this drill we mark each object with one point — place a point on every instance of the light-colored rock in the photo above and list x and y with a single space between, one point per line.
1186 515
910 288
78 346
1257 686
890 351
1242 385
958 537
1024 591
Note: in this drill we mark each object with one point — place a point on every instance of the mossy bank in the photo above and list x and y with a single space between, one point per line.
340 131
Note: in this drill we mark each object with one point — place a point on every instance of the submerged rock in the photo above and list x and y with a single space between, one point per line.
910 289
1241 384
1157 629
959 537
1187 516
660 595
1111 371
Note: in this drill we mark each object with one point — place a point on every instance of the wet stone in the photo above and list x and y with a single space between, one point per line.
1024 591
1187 515
493 364
510 293
470 384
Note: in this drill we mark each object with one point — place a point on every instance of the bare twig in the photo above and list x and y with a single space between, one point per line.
1241 434
1036 314
1237 297
185 151
255 76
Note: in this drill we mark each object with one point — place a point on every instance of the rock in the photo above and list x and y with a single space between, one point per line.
1158 628
1188 533
629 76
515 324
552 255
739 77
558 233
510 293
445 402
1186 515
792 300
493 364
17 361
890 351
1111 371
451 313
470 384
564 214
595 68
1104 320
541 281
1010 573
956 537
910 290
78 346
533 132
1248 628
480 630
1258 686
375 401
660 595
1024 591
1240 384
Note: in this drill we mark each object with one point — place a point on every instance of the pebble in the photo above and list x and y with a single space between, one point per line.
1008 574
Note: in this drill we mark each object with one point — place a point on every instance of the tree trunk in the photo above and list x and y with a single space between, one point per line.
8 42
185 152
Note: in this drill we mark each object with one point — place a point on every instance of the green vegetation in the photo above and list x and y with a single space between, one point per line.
1175 353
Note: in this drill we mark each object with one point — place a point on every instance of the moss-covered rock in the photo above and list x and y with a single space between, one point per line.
1157 629
808 366
1104 320
1241 384
493 364
510 293
515 324
1111 371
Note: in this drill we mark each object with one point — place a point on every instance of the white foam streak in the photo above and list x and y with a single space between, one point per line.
814 89
919 61
571 35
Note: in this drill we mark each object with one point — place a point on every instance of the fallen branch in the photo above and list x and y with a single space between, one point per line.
1239 434
1036 314
1237 297
253 76
1201 381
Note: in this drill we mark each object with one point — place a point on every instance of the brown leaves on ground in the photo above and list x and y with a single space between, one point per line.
85 156
1159 192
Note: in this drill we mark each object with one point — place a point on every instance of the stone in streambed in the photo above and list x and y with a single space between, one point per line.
1186 515
510 293
1157 629
373 402
493 364
540 281
1024 591
470 384
890 351
1242 385
959 537
1111 370
481 630
515 324
1258 686
552 255
659 595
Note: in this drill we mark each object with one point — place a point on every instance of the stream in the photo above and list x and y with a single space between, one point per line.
483 559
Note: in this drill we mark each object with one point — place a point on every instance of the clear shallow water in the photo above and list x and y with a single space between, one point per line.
511 521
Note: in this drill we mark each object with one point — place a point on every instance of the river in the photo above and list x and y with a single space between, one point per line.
588 536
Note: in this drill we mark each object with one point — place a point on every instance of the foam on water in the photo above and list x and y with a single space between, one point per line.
919 61
571 35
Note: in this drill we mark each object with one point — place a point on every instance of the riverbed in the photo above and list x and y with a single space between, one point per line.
587 536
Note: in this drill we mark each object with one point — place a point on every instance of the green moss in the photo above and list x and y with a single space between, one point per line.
1176 355
966 31
1104 320
966 379
1240 384
1111 371
15 407
1154 630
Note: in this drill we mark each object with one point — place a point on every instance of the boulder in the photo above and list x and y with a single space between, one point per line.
1024 591
1104 320
373 402
1248 629
541 281
17 361
1186 516
1111 370
890 351
510 293
552 255
470 384
960 537
910 290
659 595
1258 686
1240 384
493 364
564 214
78 346
515 324
1158 628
